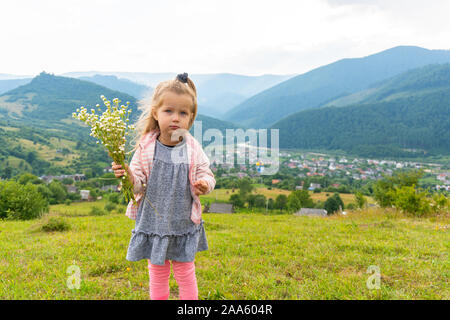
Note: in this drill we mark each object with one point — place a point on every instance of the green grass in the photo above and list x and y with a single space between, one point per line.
250 256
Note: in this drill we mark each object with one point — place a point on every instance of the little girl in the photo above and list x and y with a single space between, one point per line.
168 176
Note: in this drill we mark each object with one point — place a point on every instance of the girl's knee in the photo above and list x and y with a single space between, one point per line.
159 271
183 270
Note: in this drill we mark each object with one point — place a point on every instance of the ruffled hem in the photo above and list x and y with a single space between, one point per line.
198 227
157 248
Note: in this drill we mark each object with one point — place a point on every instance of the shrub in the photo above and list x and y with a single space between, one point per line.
360 200
67 181
413 201
21 202
319 205
68 202
385 189
351 206
110 206
440 203
237 201
74 196
96 211
55 224
114 198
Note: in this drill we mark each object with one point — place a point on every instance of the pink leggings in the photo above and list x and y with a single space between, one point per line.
184 273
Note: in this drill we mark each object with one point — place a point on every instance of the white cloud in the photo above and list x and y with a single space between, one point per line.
201 36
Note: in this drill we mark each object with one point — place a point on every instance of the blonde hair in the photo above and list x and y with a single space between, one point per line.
146 121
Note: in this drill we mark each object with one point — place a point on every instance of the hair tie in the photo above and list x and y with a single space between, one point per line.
183 77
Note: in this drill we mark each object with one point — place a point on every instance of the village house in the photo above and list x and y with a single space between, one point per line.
216 207
72 189
443 187
85 195
110 187
311 212
75 177
313 186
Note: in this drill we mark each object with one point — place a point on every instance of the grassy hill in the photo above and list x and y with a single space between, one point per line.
39 134
250 256
53 98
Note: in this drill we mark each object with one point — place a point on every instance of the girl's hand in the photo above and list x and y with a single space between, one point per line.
201 187
119 172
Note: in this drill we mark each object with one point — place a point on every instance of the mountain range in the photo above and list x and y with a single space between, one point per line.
406 115
321 85
394 103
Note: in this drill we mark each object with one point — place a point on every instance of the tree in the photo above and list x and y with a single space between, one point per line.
260 201
31 156
305 198
331 205
299 199
27 177
251 199
7 172
270 204
339 201
281 202
59 193
360 200
293 203
67 181
245 186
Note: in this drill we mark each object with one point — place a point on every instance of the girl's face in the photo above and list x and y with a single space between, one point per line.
174 113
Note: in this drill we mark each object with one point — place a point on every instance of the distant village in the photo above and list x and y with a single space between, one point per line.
310 164
315 164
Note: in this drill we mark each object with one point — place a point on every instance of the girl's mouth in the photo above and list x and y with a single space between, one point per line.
173 127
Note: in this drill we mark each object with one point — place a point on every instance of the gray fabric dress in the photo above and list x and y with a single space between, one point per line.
164 229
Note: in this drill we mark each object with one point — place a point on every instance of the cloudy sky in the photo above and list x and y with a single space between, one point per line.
251 37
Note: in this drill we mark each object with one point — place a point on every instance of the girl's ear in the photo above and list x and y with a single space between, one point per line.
154 114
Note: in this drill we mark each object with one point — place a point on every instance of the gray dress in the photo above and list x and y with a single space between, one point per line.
164 229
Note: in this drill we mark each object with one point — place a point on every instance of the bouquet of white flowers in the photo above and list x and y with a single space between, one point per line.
110 129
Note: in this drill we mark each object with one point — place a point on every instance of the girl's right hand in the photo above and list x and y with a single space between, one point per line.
118 171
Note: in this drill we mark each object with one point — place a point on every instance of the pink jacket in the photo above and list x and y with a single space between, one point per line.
141 166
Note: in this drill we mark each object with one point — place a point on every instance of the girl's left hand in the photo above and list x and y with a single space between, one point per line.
201 186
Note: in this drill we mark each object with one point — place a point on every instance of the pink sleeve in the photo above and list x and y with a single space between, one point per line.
203 171
136 165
